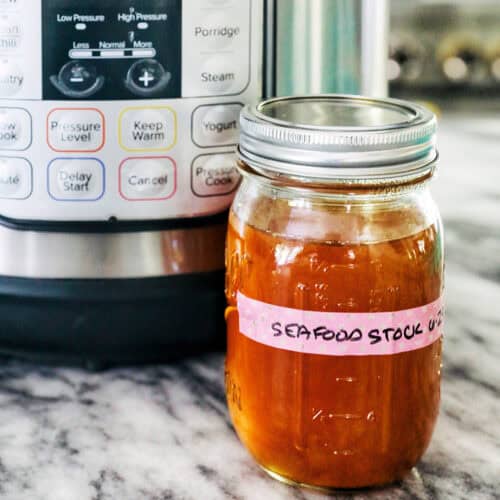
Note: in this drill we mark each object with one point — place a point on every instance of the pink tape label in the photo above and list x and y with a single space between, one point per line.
341 334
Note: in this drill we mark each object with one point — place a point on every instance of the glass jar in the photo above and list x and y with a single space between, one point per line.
334 285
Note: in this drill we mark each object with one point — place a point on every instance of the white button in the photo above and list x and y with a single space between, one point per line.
10 34
146 179
11 4
76 130
11 78
15 178
220 3
214 175
216 32
216 125
15 129
148 129
76 179
218 76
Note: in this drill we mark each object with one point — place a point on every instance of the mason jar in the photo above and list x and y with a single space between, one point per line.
334 287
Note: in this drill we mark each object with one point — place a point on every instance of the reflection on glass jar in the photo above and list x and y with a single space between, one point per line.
334 284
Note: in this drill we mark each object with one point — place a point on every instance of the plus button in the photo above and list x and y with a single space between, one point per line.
146 78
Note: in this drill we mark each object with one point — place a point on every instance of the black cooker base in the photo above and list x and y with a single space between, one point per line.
102 323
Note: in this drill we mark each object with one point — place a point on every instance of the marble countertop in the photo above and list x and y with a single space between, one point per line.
163 433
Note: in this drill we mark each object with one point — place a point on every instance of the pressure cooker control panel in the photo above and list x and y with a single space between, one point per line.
123 109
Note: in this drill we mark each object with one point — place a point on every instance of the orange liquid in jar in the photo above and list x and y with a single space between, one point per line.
332 421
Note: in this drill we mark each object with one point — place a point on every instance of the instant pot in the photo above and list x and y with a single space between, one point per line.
118 125
118 122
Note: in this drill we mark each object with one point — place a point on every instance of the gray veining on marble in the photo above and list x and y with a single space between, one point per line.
163 433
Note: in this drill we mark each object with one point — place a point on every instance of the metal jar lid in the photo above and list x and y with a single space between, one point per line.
338 137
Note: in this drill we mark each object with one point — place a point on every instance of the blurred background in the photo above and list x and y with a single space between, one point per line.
445 48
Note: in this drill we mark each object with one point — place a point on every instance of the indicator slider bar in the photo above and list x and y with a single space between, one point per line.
112 53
